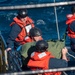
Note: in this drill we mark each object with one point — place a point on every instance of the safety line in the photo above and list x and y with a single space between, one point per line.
56 21
36 5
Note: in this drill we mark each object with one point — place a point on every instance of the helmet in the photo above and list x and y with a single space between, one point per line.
35 32
73 9
22 13
41 45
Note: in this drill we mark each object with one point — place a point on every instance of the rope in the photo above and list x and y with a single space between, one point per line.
36 5
65 73
71 55
56 21
40 71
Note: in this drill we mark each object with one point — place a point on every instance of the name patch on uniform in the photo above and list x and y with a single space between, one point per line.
42 55
28 27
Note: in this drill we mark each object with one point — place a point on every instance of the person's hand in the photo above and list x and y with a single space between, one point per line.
8 49
64 52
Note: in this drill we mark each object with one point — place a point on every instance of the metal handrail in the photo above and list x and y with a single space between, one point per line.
40 71
36 5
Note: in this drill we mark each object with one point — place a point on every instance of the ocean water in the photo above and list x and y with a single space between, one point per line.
44 18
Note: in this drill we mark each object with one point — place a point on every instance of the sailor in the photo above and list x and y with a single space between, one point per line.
71 27
35 35
20 28
42 59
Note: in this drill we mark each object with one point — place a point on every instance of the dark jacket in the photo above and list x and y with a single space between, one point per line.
15 30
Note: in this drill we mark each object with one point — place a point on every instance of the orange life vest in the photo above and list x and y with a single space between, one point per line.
70 19
40 61
23 35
